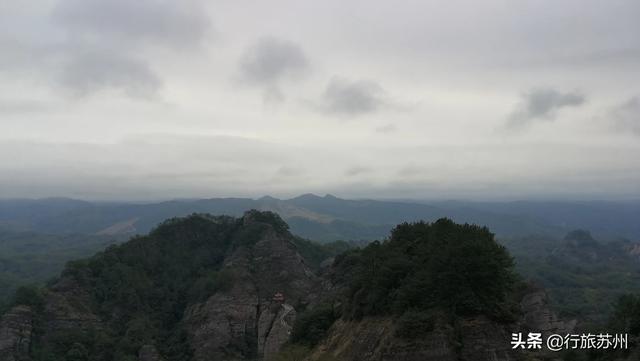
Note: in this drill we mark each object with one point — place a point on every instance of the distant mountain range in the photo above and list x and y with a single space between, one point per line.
327 218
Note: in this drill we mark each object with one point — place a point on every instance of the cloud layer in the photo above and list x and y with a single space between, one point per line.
269 60
542 105
86 46
352 98
626 116
161 99
135 23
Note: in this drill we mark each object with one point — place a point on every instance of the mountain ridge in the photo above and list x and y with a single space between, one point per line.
332 214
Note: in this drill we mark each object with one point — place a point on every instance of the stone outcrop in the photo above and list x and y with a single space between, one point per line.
16 328
473 339
538 315
246 322
275 329
68 306
485 340
373 339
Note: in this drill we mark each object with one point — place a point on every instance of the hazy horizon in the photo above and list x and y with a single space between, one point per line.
324 195
153 99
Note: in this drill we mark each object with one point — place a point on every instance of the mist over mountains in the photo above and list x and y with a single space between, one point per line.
327 218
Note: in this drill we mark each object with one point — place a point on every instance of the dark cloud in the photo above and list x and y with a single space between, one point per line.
542 104
163 22
270 60
88 72
85 46
627 116
352 98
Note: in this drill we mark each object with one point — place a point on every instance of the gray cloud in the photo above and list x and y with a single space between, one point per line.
88 72
106 38
85 46
163 22
357 170
352 98
627 116
542 104
270 60
18 107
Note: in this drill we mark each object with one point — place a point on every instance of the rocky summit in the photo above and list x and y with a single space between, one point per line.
198 288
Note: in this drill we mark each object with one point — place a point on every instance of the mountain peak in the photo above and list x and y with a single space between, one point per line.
268 217
268 198
306 197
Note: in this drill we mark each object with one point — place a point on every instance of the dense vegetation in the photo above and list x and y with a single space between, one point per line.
141 288
624 319
422 270
28 258
445 265
583 276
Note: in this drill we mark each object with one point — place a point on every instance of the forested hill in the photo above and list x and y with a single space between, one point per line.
157 292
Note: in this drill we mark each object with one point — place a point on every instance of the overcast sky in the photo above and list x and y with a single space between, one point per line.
157 99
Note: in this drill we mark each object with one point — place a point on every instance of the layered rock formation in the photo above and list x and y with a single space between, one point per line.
476 338
16 328
246 322
538 315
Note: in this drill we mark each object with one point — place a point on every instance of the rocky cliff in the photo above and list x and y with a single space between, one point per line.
249 321
16 329
478 338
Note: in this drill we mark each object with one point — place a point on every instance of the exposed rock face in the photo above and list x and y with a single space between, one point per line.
485 340
246 322
16 328
475 338
277 331
539 317
67 306
373 339
224 327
